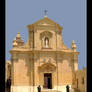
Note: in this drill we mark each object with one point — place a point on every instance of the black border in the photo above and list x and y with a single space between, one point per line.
2 45
89 48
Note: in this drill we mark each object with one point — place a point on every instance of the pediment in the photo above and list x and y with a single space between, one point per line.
45 22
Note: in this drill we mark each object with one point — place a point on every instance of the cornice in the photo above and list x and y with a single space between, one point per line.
27 51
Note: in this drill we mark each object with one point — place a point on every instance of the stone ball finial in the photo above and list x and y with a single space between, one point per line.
18 35
14 39
73 46
14 43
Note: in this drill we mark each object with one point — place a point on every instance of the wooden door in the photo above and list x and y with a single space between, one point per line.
47 80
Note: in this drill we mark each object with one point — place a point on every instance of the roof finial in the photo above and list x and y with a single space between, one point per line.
73 46
45 12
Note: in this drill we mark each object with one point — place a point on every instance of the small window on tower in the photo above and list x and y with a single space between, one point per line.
46 42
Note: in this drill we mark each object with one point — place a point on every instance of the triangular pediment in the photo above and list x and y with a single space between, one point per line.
45 22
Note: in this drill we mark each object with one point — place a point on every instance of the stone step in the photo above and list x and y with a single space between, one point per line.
49 90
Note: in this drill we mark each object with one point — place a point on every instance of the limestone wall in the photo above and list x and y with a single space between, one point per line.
7 70
81 80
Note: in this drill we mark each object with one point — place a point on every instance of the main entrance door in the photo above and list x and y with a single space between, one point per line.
48 80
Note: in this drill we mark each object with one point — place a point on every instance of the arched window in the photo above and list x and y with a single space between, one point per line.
46 41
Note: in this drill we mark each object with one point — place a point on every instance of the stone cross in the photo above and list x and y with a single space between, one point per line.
45 13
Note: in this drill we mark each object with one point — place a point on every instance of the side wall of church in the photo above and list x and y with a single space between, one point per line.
81 80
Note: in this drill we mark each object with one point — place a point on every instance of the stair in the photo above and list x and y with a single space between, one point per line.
49 90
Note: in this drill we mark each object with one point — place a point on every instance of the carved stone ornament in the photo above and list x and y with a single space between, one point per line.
46 34
47 67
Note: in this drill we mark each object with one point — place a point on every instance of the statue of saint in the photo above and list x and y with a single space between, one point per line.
46 42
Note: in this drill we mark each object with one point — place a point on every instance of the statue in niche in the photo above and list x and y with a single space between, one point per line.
46 42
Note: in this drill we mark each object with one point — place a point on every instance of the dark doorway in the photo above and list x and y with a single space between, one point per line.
8 85
48 80
77 83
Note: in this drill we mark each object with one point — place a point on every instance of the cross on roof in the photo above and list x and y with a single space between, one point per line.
45 12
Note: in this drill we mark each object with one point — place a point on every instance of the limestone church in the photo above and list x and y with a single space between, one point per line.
43 60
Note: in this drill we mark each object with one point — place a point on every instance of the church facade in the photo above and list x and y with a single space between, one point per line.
43 60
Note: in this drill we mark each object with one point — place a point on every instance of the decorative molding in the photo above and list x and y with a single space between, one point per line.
46 34
14 59
47 67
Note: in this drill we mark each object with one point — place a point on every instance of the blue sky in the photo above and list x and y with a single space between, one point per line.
71 14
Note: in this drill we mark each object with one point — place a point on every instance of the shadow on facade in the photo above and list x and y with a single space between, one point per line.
8 85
